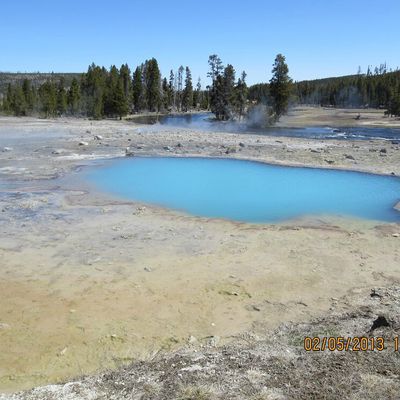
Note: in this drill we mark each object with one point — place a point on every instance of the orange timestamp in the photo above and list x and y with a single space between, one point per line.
340 343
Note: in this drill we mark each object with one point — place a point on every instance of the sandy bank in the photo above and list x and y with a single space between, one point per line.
338 117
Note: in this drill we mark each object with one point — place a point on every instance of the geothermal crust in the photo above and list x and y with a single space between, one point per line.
90 282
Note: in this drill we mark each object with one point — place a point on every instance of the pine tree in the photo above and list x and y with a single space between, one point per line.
393 106
61 97
216 67
120 100
241 95
165 94
197 98
217 100
216 90
18 102
48 99
7 102
73 97
187 99
180 87
29 96
110 101
223 91
152 85
125 74
228 92
172 92
93 88
280 86
137 89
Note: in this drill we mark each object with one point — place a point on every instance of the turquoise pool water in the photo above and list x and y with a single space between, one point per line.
248 191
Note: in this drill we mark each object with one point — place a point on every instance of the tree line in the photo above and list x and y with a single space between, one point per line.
377 88
100 93
116 92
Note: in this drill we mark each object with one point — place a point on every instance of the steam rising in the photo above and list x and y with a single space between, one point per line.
257 122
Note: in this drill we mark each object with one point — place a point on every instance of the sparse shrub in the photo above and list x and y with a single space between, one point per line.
195 393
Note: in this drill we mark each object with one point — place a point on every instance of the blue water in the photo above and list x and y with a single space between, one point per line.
205 122
249 191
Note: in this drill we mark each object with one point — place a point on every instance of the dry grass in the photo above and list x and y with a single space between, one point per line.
195 393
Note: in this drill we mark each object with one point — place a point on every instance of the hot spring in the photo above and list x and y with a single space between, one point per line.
248 191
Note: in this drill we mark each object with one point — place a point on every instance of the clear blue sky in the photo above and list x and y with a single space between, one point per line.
319 38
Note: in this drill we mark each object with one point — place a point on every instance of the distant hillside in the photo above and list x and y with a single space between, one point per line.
37 78
378 90
260 91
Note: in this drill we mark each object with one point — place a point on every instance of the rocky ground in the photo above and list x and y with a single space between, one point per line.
275 366
90 282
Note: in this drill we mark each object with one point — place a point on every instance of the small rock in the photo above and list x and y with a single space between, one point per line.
329 161
214 340
383 151
349 157
63 351
192 368
129 152
375 294
83 143
192 339
396 235
241 144
98 137
168 148
147 269
88 131
5 149
230 150
380 322
179 145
